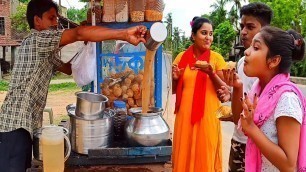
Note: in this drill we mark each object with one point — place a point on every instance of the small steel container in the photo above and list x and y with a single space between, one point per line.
89 105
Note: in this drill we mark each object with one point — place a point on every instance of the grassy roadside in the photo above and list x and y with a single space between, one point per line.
52 87
4 84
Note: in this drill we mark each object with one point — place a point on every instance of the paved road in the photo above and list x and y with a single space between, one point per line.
303 88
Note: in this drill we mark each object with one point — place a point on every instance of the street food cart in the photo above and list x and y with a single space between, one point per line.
119 60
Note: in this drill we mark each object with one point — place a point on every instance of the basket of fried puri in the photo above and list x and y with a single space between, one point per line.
224 112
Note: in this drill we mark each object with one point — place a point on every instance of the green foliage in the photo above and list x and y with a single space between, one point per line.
299 69
288 14
224 35
168 42
182 47
217 17
233 14
19 21
179 43
63 86
24 1
3 85
86 87
77 15
223 24
217 49
219 13
303 18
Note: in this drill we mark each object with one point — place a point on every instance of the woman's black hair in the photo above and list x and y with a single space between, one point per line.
37 8
290 46
197 23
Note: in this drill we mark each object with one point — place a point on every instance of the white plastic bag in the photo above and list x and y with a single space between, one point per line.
83 65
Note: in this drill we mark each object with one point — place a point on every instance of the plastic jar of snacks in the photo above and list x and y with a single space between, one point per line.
119 119
122 11
154 10
137 10
97 9
109 11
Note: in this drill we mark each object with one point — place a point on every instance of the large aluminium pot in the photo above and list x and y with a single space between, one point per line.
88 134
147 129
89 105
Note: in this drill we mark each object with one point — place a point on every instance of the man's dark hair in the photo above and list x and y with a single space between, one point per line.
259 10
37 8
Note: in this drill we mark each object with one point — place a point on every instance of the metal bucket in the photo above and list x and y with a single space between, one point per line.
89 105
90 134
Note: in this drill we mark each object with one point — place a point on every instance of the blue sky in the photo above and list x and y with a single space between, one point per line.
182 10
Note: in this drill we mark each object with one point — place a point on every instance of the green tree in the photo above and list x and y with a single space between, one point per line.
168 42
303 18
289 14
218 14
20 25
176 42
224 32
224 36
77 15
233 14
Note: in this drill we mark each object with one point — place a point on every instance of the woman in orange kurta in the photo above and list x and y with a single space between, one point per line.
197 132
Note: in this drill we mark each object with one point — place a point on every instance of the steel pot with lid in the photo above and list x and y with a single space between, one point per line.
90 133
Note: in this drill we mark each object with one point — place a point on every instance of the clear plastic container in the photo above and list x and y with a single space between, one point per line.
137 10
122 11
119 119
109 14
154 10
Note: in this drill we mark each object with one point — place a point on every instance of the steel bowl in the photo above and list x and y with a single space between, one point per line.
89 105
